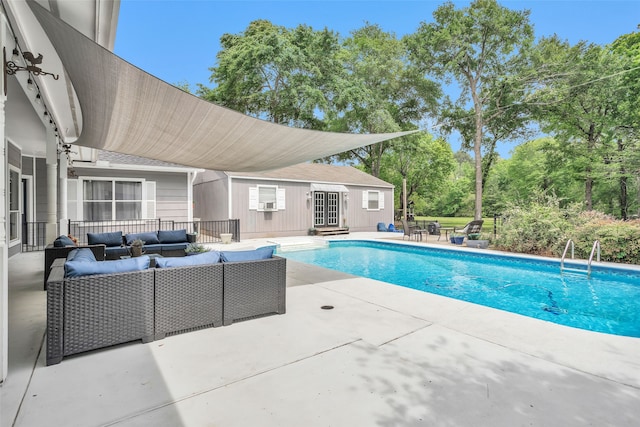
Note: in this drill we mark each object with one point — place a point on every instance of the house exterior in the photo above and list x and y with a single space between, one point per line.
102 185
62 85
292 200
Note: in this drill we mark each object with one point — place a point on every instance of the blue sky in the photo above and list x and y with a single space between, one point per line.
177 40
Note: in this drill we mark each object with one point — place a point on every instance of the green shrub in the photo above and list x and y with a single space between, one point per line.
543 228
619 240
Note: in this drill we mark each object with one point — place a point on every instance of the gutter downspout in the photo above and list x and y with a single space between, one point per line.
191 179
229 197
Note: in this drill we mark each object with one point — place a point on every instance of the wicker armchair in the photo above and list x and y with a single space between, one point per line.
254 288
187 298
51 253
91 312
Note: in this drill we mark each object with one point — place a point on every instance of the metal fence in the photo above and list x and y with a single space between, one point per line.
34 236
34 233
206 231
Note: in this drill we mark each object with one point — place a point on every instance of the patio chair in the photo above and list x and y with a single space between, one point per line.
433 228
411 231
472 227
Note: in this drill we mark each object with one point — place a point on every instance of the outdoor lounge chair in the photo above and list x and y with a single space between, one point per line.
433 228
411 230
473 227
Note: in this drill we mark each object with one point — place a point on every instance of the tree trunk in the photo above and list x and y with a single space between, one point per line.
638 186
588 190
624 201
588 183
477 152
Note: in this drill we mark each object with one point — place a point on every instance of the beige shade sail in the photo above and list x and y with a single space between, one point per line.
127 110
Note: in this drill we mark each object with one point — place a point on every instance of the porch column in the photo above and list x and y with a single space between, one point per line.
4 263
52 185
64 166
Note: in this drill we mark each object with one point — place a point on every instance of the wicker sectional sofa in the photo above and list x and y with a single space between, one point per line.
163 242
90 312
113 245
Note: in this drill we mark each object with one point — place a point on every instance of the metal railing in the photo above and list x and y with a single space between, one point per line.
207 231
596 246
564 254
34 234
595 250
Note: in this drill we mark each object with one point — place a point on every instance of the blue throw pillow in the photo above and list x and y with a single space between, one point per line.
261 253
149 238
108 239
63 241
81 254
172 236
83 268
211 257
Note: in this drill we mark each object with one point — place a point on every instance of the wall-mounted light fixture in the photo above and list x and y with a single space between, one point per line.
308 195
345 196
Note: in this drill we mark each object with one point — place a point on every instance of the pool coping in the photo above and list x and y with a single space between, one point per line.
596 265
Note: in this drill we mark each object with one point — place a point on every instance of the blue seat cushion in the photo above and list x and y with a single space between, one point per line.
382 227
261 253
81 254
174 246
211 257
108 239
153 249
115 252
63 241
84 268
172 236
149 238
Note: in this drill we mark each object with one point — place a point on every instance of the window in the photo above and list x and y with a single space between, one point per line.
14 204
112 200
372 200
266 198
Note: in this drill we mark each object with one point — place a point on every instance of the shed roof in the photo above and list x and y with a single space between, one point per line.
317 172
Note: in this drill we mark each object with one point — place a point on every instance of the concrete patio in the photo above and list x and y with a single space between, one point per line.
384 356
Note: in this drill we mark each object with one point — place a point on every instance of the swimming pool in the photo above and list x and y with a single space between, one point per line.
608 301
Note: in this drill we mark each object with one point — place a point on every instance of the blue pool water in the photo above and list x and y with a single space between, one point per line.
608 301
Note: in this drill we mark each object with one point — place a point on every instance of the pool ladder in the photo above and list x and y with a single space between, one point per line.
595 249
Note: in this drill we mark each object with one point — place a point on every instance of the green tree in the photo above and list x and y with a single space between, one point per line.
479 46
534 166
425 163
628 115
285 76
381 93
455 197
579 89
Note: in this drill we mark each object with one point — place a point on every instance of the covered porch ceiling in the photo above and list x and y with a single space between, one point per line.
127 110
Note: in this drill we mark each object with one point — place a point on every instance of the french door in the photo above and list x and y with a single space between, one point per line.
326 209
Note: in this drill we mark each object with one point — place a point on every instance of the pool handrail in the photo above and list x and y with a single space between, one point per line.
596 244
564 254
